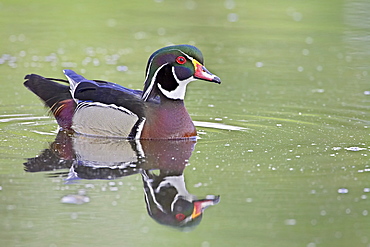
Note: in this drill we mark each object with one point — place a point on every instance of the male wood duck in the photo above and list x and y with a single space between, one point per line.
99 108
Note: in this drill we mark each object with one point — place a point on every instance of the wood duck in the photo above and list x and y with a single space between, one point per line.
99 108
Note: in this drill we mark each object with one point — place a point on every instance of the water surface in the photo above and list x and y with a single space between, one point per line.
292 170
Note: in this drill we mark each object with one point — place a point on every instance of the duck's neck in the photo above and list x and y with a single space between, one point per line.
168 120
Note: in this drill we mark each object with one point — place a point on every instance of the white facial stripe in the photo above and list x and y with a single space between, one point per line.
147 72
179 92
186 55
150 88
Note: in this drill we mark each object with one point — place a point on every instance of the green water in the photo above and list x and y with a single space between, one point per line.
295 75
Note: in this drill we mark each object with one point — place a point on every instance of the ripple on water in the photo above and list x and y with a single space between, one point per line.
355 149
20 118
18 123
217 126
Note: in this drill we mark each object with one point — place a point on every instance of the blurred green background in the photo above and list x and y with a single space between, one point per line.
295 74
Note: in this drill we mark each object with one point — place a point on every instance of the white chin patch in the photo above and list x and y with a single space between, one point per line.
179 92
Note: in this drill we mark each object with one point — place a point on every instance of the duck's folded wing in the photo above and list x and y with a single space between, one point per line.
105 108
110 94
104 92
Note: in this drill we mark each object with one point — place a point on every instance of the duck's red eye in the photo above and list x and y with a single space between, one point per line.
180 60
180 217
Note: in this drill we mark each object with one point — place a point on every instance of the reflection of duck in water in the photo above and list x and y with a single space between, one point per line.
168 201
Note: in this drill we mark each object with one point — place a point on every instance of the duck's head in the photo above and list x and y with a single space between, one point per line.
171 68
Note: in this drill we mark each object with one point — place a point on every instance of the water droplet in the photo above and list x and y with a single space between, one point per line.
111 22
140 35
190 4
89 186
342 191
21 37
22 53
161 31
75 199
259 64
305 52
205 244
13 38
249 200
198 185
290 222
69 64
297 16
318 90
122 68
309 40
338 234
96 62
229 4
60 51
232 17
348 59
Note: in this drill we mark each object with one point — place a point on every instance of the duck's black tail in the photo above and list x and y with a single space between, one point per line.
48 90
55 95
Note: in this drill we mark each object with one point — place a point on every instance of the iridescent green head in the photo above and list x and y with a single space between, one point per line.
171 68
